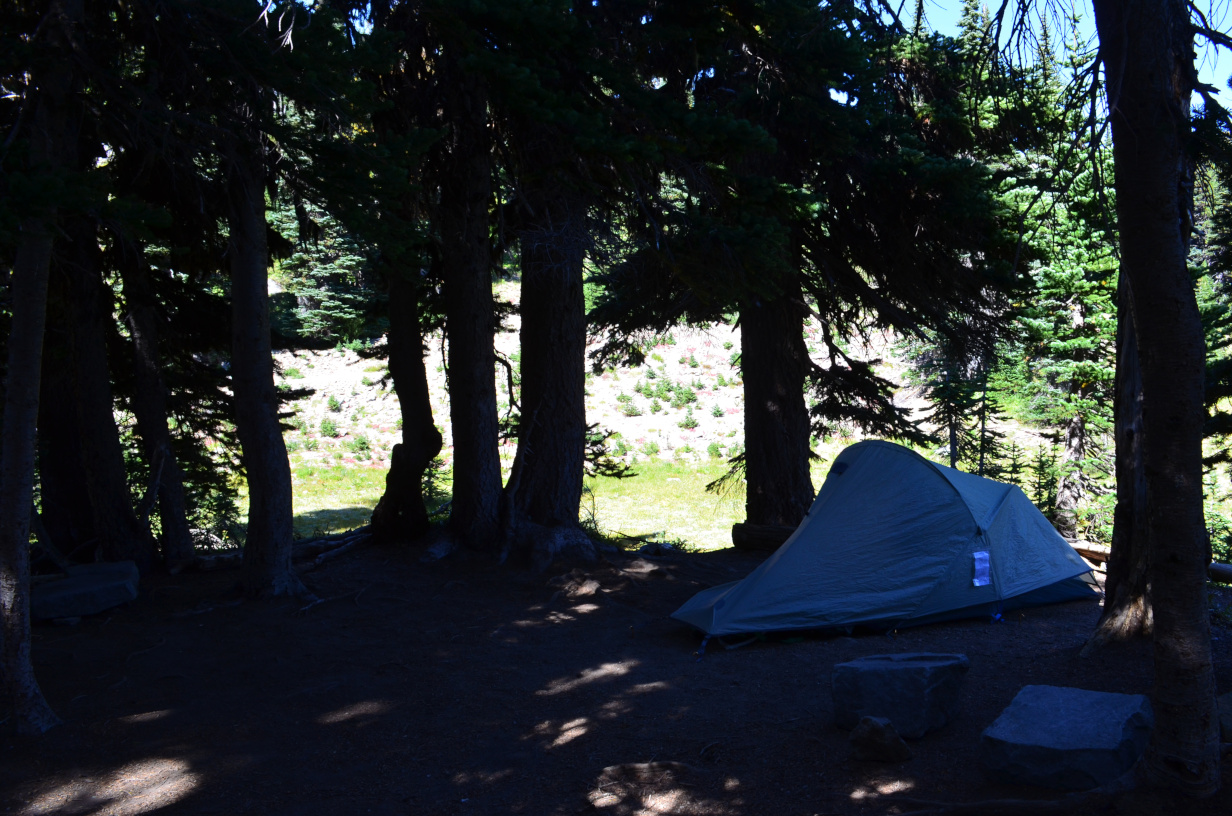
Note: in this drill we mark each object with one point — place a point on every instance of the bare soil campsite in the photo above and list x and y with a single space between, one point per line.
457 687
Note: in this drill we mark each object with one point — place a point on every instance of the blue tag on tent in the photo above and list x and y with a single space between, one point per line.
981 569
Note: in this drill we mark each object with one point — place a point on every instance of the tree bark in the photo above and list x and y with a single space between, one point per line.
1127 592
120 536
63 493
1069 488
267 550
1147 48
31 712
545 485
400 515
466 260
53 137
150 407
774 361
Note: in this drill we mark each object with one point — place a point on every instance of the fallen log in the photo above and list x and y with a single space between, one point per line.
1099 554
318 549
1095 553
766 537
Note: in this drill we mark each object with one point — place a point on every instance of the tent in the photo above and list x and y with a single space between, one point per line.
895 540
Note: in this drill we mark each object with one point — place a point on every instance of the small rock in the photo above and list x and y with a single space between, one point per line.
1225 717
916 691
1068 738
874 739
656 548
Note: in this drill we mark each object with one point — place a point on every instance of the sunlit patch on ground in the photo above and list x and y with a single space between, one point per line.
653 788
881 788
571 731
145 716
605 672
139 787
358 711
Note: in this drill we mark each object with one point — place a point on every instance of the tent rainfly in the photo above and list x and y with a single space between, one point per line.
895 540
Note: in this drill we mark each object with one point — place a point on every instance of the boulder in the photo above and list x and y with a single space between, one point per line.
1225 717
1068 738
916 691
875 739
88 590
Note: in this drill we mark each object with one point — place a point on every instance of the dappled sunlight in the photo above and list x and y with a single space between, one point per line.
145 717
365 709
138 787
879 788
614 708
481 777
571 731
607 671
584 608
652 788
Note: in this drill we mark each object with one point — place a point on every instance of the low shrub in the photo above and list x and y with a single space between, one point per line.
329 428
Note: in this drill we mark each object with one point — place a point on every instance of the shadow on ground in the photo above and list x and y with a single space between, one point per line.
461 688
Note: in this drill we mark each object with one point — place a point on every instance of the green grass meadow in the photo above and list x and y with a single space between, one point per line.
665 500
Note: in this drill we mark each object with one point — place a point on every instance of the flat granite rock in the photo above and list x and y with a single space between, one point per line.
1067 738
88 590
915 691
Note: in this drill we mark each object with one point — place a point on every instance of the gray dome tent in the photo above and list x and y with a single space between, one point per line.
895 540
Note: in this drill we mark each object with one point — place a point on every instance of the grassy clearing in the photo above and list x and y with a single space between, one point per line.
668 498
334 499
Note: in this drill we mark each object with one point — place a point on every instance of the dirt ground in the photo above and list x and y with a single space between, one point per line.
463 688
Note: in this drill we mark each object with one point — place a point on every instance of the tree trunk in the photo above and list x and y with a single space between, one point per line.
150 407
774 361
53 136
1127 593
267 550
466 260
1069 488
545 485
31 713
1147 48
63 493
120 535
400 515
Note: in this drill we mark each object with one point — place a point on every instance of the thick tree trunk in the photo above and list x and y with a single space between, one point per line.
1127 596
545 485
466 259
400 515
774 361
120 535
150 408
267 550
1147 48
31 713
1069 488
62 482
53 136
